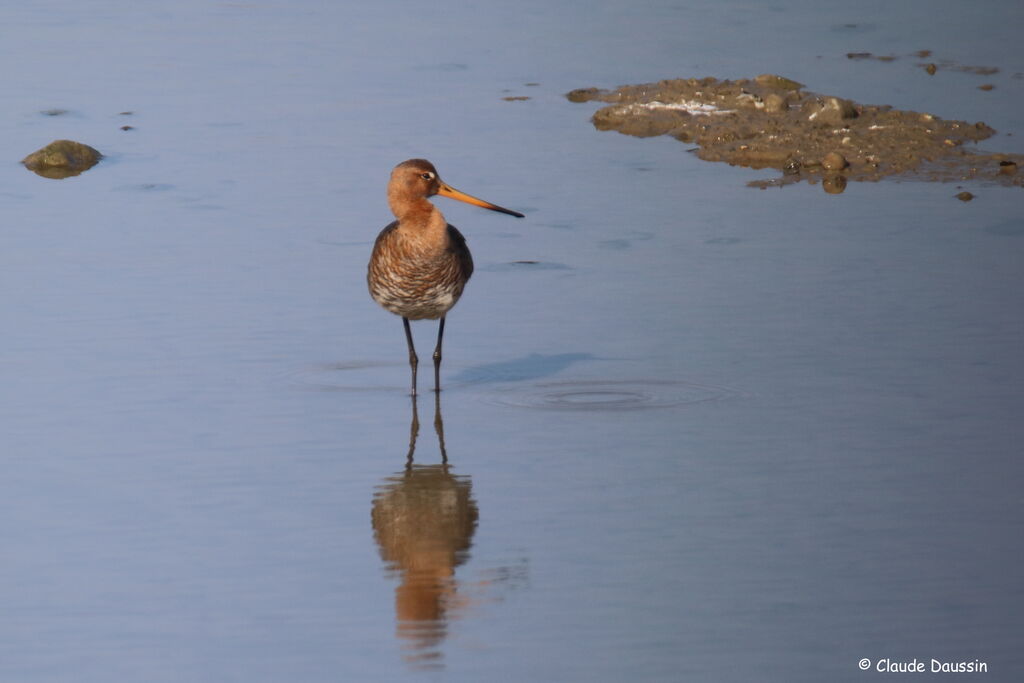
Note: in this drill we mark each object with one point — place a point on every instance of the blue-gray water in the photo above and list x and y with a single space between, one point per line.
713 434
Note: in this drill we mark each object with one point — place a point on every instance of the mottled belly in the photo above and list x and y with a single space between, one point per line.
415 295
426 303
418 283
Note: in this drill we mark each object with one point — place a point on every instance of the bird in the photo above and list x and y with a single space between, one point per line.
420 263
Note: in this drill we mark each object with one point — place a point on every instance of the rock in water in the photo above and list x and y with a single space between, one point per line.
62 159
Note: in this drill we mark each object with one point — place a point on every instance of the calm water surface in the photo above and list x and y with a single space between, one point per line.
703 433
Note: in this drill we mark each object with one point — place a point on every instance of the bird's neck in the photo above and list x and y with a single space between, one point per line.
422 223
411 210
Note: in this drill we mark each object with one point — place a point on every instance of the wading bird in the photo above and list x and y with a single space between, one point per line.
420 263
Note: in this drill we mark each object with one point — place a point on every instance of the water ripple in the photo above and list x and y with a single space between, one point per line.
615 395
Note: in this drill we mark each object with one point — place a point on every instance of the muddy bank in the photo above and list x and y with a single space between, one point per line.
772 122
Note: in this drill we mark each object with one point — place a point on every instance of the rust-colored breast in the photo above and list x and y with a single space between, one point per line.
416 280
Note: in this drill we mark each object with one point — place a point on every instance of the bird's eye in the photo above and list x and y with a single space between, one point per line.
427 176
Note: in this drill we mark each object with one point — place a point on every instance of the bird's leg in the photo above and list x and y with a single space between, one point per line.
437 357
413 360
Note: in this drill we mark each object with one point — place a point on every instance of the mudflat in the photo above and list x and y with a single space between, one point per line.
773 122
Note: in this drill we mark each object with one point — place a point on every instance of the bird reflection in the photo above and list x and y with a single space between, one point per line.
423 521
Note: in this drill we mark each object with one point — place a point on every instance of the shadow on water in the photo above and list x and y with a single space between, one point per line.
424 518
365 375
519 387
534 366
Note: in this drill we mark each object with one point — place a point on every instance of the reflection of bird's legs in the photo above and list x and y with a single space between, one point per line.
414 430
439 425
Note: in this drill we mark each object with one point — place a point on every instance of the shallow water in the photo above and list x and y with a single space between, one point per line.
713 433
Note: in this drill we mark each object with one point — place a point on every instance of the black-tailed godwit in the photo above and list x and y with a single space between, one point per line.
420 264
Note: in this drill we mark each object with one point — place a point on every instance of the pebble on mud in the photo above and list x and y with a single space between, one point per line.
964 196
774 103
830 111
777 82
834 161
62 159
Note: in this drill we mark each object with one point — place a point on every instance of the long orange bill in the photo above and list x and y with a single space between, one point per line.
446 190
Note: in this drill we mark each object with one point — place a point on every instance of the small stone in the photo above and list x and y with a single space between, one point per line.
1008 167
834 161
127 127
986 87
62 159
774 103
777 82
791 166
965 196
931 69
830 111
